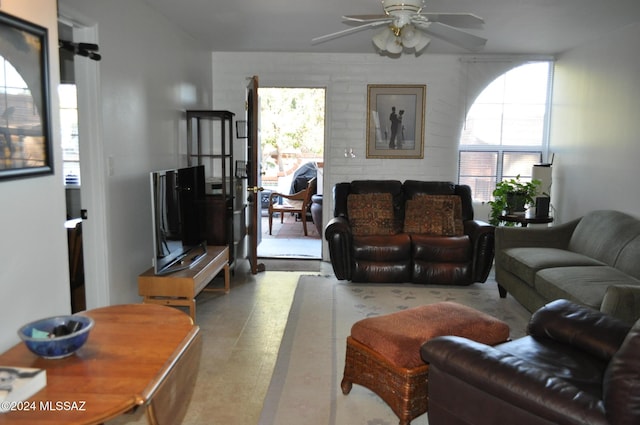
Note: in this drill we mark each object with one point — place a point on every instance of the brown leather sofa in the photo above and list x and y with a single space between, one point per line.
400 256
577 366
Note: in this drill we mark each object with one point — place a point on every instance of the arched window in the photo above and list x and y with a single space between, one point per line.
505 130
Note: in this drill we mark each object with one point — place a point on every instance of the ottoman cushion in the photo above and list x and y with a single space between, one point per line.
399 336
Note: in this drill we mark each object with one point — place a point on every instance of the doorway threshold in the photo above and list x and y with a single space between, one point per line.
301 249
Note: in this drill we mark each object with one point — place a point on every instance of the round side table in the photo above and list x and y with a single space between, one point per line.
525 220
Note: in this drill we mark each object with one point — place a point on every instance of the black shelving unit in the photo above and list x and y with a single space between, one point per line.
210 143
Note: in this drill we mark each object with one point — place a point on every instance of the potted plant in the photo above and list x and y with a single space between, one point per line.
512 196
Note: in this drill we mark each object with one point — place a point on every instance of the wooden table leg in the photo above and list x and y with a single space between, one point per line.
192 309
227 286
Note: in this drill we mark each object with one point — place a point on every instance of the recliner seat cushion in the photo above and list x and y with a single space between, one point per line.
441 249
382 248
382 259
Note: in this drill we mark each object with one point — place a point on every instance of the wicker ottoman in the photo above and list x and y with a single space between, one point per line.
383 352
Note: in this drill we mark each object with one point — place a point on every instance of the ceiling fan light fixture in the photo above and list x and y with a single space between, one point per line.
381 38
413 38
394 45
409 27
422 43
410 36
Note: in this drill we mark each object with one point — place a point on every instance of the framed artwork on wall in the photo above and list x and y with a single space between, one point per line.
25 125
395 121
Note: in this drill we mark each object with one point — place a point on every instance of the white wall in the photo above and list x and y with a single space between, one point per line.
594 132
345 76
150 73
143 98
34 274
595 127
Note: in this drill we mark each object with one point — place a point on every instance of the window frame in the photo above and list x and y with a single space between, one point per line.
502 149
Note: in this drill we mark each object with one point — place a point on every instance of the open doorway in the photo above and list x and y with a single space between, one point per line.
91 177
68 98
292 128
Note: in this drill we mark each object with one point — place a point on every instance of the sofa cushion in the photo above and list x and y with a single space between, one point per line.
583 285
341 192
371 214
602 235
412 188
439 215
627 261
440 249
526 262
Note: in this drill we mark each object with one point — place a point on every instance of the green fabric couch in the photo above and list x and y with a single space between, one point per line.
593 260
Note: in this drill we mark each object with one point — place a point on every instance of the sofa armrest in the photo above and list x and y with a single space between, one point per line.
511 380
623 302
482 239
340 243
579 326
547 237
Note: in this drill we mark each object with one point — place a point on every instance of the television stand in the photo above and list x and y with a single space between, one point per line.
181 288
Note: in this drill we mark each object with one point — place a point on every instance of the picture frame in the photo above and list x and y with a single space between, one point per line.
25 121
241 129
395 121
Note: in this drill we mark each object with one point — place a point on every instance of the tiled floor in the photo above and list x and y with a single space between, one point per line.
241 332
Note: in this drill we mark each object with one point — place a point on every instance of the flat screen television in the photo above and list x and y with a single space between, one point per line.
178 207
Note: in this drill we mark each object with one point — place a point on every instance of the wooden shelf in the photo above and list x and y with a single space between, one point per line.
180 288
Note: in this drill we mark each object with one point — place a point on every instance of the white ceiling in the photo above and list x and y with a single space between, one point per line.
539 27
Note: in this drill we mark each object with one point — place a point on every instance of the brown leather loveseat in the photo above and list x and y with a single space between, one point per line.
386 231
577 366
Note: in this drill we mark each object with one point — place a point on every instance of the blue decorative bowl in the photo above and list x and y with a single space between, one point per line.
56 337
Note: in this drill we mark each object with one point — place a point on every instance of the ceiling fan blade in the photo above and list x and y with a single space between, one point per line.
365 18
348 31
459 20
453 35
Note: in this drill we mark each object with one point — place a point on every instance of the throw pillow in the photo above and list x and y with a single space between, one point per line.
371 214
439 215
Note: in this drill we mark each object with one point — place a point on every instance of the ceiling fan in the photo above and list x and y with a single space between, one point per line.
407 27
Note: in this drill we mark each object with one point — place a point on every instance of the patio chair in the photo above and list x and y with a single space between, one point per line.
298 203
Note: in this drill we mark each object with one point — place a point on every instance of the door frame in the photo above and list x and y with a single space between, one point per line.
93 190
274 84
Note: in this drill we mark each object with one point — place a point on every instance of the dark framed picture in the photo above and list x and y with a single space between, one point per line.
25 124
241 130
395 121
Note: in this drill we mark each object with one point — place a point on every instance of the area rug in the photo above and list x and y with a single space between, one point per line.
305 387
